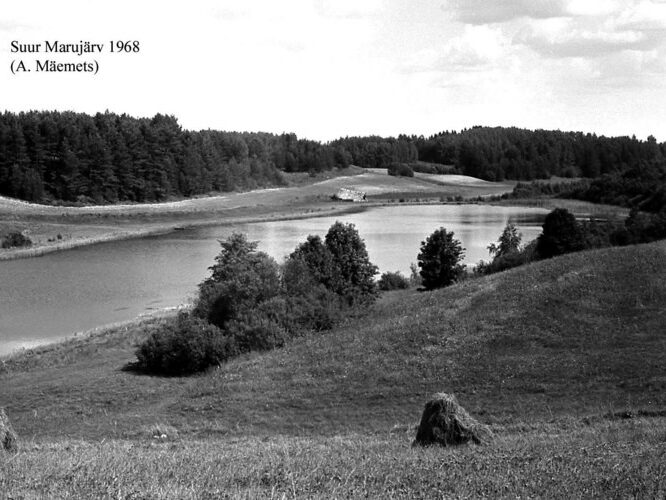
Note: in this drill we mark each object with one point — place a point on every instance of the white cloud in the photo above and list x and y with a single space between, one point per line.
500 11
325 69
349 9
600 28
592 7
589 44
477 48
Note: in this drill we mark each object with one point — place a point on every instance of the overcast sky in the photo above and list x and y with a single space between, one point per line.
325 69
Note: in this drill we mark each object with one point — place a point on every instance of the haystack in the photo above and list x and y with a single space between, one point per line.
8 438
446 423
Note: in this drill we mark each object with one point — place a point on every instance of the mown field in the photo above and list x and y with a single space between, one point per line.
563 358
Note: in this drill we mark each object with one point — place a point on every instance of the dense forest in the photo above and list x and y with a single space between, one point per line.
75 157
642 187
498 153
65 156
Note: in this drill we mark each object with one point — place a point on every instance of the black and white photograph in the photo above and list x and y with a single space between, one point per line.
325 249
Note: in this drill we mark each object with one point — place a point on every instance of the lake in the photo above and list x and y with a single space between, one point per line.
50 297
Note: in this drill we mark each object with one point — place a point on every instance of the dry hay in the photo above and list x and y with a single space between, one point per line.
446 423
8 438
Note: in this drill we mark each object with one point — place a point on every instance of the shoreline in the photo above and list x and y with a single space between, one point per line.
59 228
45 346
159 228
313 209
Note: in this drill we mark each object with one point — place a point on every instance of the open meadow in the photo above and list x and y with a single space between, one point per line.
563 358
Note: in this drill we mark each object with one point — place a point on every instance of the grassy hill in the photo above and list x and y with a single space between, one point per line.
552 355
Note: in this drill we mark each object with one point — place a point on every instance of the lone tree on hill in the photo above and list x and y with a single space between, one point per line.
440 259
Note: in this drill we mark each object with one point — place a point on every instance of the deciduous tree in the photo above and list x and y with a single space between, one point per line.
440 259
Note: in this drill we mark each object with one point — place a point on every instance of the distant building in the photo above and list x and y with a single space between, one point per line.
346 194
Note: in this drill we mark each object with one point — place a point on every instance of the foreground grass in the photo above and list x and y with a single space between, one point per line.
610 460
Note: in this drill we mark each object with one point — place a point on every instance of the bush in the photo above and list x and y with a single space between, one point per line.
414 275
261 328
240 280
322 278
510 260
561 234
16 240
440 259
507 253
434 168
598 233
641 227
184 345
247 304
317 310
256 332
310 304
400 170
392 281
508 242
309 265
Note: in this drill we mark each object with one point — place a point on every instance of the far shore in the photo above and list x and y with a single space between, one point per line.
84 235
57 228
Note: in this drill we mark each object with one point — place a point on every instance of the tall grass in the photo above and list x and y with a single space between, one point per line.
603 462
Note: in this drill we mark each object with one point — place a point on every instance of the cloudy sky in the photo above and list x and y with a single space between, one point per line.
325 69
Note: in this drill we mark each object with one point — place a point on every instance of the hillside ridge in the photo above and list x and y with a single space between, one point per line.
565 338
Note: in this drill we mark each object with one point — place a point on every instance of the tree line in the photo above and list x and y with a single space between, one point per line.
52 156
66 156
498 153
641 187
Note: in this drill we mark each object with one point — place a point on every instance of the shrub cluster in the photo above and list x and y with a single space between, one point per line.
392 281
250 303
16 240
434 168
508 252
400 170
562 234
185 345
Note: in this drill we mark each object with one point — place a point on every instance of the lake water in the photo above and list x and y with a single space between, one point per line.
50 297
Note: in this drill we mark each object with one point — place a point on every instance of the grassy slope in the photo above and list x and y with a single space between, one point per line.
576 335
542 353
